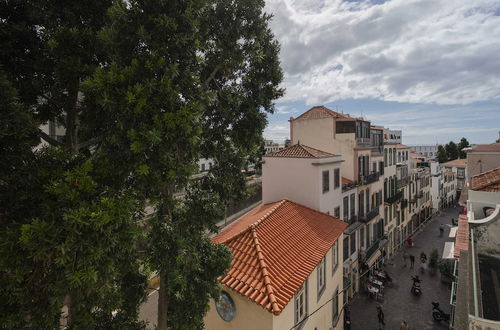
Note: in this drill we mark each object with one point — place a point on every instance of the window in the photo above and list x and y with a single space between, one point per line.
335 304
203 167
345 204
326 181
321 277
346 248
361 200
353 205
335 257
390 157
367 200
336 178
336 212
361 236
381 167
385 157
301 303
353 243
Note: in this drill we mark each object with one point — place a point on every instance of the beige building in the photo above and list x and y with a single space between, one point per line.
459 167
482 158
286 271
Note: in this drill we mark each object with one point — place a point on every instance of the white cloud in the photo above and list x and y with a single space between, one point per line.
419 51
277 132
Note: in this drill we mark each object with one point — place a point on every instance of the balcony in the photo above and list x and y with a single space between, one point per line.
363 142
395 198
402 182
349 186
372 249
370 178
372 214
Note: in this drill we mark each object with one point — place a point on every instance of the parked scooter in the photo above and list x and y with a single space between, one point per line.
416 289
438 314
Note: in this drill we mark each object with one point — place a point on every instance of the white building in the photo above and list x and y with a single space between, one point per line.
428 150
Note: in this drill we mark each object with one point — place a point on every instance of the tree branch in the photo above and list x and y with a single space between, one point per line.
89 142
49 140
211 77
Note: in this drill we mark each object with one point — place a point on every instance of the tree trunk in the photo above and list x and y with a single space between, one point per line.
162 304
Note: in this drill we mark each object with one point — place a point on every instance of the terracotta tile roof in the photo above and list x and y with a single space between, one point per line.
402 146
380 128
300 151
346 180
462 163
462 237
320 111
275 247
487 147
417 155
487 181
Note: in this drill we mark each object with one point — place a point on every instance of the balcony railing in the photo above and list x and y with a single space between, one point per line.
372 214
372 249
402 182
370 178
363 142
395 198
349 186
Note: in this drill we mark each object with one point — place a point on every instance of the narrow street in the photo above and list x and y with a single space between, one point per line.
399 304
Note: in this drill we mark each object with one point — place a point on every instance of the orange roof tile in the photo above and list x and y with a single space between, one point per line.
462 237
320 111
487 181
346 180
402 146
493 147
300 151
275 247
462 163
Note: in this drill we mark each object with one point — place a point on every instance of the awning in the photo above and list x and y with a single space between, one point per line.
448 249
373 258
453 232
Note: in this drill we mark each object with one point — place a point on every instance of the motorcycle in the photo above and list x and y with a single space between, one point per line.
416 289
438 314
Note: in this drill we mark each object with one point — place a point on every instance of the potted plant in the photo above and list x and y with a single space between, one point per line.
446 270
433 262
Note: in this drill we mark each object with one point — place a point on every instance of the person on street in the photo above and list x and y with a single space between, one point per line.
453 222
412 261
405 258
441 230
381 321
404 325
409 241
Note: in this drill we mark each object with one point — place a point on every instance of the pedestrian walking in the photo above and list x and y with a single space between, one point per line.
405 258
441 230
412 261
404 325
409 241
381 321
453 222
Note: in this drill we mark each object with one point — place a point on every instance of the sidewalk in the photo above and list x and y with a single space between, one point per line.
399 304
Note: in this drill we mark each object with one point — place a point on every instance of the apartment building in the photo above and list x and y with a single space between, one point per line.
314 178
287 266
429 151
271 146
459 167
362 148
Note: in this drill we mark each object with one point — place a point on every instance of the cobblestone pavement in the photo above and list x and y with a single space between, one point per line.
399 304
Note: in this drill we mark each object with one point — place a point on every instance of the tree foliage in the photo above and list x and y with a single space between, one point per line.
441 154
451 150
461 145
143 89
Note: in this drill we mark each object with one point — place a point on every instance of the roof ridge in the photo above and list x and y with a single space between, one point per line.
265 274
257 222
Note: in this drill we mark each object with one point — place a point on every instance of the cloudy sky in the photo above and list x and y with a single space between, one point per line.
429 67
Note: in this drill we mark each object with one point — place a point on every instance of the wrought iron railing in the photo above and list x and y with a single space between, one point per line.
372 214
395 198
349 186
402 182
372 249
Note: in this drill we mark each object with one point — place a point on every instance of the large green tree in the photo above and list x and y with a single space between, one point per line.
142 94
186 79
441 154
451 150
461 145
